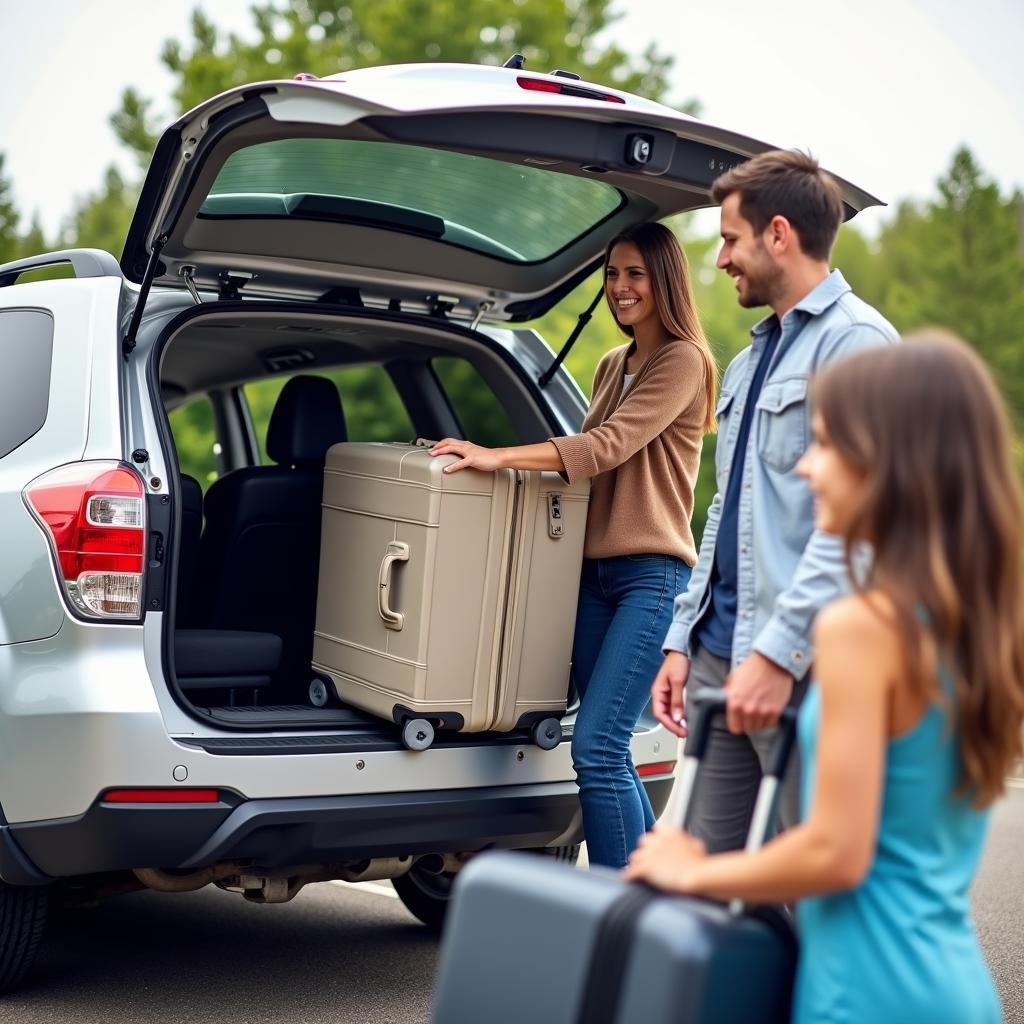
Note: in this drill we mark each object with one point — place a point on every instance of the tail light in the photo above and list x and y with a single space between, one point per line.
545 85
657 768
94 516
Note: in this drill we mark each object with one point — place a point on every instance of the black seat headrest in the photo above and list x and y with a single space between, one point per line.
191 495
306 421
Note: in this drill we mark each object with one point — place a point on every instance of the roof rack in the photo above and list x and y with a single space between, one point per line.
84 262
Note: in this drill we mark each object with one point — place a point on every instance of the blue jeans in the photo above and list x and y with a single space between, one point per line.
625 609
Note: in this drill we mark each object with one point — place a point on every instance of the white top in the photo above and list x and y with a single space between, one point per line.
627 379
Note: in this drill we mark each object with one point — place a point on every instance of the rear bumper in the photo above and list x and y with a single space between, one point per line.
282 832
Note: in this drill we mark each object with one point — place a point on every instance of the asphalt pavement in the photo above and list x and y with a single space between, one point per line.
341 954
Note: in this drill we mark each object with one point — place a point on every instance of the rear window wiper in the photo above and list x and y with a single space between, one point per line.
314 206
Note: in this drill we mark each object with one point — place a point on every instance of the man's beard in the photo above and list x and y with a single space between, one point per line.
762 288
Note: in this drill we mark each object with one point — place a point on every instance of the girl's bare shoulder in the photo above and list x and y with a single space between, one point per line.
863 624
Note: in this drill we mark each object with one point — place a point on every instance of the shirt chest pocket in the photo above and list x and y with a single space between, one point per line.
723 414
783 423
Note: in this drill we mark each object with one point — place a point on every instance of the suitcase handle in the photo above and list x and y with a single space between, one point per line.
397 551
704 706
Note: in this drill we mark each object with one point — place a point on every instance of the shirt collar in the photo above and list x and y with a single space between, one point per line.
815 302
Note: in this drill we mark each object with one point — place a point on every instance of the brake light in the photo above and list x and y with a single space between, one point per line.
543 85
94 516
656 768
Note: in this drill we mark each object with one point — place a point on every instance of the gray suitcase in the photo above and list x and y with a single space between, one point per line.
528 940
447 599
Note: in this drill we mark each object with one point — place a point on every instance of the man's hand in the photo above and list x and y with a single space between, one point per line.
488 459
667 692
757 691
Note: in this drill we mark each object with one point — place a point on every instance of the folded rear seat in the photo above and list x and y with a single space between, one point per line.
229 659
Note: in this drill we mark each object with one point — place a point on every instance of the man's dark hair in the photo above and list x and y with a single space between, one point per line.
787 183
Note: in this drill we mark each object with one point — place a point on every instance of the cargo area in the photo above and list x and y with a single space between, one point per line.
257 402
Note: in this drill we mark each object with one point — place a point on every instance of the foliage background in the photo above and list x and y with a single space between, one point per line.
955 261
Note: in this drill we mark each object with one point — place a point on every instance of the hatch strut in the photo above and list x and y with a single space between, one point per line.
584 318
128 342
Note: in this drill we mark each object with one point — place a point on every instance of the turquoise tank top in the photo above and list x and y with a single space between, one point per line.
901 947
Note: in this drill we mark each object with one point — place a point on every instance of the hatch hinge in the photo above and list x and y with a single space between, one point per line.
128 341
231 284
188 273
584 318
442 305
484 306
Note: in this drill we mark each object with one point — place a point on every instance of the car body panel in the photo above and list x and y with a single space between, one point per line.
83 420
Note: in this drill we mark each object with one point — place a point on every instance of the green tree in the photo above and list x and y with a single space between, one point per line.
101 220
320 37
958 262
14 245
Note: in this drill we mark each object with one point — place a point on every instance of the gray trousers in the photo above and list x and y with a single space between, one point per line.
723 800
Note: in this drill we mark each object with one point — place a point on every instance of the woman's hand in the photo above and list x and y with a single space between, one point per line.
665 859
487 459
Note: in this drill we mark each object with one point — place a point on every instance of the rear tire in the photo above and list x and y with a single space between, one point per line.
568 854
426 896
23 910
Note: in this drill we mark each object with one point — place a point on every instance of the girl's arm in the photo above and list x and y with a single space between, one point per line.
543 456
857 662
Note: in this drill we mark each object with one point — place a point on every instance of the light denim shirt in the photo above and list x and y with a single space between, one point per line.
788 570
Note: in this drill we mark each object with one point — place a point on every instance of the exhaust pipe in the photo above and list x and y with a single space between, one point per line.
166 881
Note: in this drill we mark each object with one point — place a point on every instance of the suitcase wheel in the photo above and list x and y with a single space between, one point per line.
547 733
417 734
319 695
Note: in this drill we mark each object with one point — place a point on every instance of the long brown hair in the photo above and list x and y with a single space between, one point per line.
942 508
673 297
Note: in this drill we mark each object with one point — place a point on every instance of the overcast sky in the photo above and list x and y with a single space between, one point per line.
882 91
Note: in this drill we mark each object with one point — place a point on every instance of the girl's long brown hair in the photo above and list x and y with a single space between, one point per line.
942 508
673 297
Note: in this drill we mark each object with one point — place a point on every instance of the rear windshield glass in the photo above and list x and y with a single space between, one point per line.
502 209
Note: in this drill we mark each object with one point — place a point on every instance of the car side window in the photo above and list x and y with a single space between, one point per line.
480 414
195 439
373 409
26 351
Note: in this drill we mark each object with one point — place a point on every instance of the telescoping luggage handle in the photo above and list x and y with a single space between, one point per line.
704 706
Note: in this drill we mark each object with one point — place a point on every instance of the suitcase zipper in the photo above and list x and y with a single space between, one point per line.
609 957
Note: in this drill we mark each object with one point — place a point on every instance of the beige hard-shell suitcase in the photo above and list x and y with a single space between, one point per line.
447 600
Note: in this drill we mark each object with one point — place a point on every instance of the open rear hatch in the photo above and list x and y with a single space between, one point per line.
423 189
442 188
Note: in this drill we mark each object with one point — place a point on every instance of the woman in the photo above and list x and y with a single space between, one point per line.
916 714
653 401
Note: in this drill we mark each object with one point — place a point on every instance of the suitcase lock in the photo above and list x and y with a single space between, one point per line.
554 515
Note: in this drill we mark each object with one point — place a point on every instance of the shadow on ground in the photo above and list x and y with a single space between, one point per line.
330 955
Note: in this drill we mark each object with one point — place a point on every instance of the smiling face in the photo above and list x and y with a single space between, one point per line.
627 287
837 487
745 257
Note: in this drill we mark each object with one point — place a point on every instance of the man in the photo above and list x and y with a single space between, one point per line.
763 571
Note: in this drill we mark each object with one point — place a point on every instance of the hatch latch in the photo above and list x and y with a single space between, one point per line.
231 284
442 305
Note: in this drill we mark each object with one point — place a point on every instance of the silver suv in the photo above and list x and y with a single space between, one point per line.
156 721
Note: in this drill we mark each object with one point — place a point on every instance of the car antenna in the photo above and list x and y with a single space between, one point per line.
516 62
584 318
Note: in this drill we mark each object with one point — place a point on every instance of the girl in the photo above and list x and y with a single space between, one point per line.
653 401
916 714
